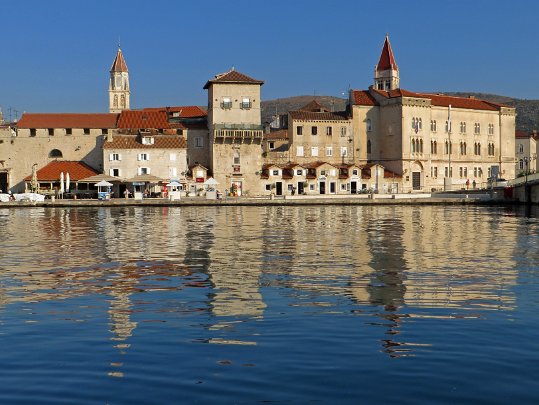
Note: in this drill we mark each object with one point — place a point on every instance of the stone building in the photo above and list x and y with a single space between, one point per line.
432 140
235 131
526 147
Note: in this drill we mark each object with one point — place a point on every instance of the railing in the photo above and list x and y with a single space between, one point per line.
238 133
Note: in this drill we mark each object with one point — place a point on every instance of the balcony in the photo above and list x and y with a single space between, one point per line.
238 131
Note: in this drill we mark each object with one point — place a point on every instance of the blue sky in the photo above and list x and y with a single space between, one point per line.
57 53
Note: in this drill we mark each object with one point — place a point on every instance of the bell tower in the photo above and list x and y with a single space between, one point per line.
386 73
119 84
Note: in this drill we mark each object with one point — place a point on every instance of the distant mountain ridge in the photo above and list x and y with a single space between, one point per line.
527 110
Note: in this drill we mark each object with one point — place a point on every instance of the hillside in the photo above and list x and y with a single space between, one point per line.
527 110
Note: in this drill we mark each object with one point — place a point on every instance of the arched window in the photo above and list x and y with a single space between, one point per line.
369 146
369 125
55 153
421 146
122 101
115 102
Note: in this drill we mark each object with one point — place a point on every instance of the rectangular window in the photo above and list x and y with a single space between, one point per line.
314 151
172 157
435 172
355 172
226 103
329 131
115 172
299 172
275 172
343 131
344 151
329 150
446 171
104 131
199 142
299 130
268 187
271 145
245 103
314 130
86 131
51 131
69 131
299 151
172 172
322 172
143 170
148 140
143 156
32 132
115 157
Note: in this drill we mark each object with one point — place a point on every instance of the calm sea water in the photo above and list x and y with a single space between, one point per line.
243 305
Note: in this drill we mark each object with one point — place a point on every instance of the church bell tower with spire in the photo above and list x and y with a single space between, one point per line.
119 84
386 72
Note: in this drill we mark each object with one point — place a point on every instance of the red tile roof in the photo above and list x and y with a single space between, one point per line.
387 59
133 142
119 64
314 106
61 120
143 119
363 97
232 76
189 111
319 116
52 171
523 134
280 134
443 100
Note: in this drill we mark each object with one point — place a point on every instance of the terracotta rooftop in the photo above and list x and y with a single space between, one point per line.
134 142
232 76
363 97
119 64
280 134
189 111
522 134
52 171
143 119
61 120
314 106
319 116
442 100
387 59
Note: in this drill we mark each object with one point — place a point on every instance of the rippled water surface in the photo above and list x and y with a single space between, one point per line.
332 304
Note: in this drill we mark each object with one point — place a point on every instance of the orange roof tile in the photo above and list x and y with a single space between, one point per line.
133 142
232 76
52 171
280 134
443 100
363 97
319 116
143 119
189 111
387 59
314 106
119 64
62 120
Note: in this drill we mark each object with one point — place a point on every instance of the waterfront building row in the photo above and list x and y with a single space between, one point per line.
416 141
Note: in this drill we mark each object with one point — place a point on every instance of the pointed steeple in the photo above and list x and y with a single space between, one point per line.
119 64
119 93
386 72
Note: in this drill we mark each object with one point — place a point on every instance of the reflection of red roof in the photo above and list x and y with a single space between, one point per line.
52 171
133 142
62 120
232 76
189 111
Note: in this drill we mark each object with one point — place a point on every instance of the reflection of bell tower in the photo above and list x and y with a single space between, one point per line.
119 85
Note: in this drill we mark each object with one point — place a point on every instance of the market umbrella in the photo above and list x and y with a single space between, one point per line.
103 183
211 182
67 182
62 182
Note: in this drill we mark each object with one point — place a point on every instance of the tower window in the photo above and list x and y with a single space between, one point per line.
32 132
314 130
51 131
69 131
86 131
55 153
299 130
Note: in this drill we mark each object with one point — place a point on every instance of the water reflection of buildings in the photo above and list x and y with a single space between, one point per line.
396 262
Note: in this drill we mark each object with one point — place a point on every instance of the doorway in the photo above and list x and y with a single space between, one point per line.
332 187
278 188
300 188
416 180
353 187
322 187
3 182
